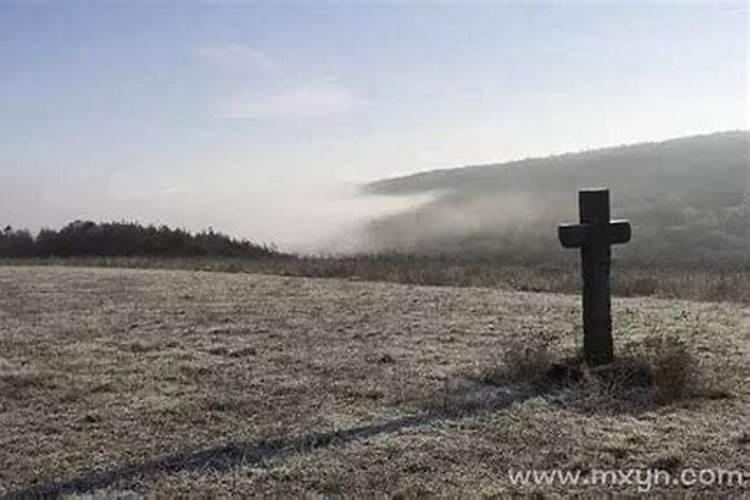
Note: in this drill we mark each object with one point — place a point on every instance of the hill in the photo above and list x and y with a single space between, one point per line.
175 383
688 200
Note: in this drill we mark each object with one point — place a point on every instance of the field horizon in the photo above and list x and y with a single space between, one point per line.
701 283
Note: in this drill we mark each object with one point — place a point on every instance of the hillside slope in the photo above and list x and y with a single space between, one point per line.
687 199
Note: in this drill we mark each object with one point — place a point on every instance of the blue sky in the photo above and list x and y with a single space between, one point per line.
256 118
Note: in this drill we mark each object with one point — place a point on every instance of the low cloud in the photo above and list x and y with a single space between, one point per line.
311 101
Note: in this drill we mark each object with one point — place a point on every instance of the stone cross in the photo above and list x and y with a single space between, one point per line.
593 236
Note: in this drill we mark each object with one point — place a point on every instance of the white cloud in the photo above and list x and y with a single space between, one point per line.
174 190
236 58
308 101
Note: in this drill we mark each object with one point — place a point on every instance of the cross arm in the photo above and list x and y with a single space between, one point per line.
619 231
578 235
573 235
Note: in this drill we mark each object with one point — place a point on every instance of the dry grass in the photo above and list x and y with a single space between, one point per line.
654 372
628 280
120 382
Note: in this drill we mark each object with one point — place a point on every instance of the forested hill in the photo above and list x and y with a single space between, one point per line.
688 200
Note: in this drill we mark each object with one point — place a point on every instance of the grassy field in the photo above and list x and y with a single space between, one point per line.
703 283
174 382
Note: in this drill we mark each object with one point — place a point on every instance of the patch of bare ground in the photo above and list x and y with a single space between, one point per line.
127 382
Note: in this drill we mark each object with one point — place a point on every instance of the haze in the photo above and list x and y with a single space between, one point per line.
260 120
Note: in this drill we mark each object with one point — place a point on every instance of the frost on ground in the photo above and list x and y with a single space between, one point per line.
175 382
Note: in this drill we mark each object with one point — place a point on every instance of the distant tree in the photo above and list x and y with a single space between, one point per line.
86 238
16 243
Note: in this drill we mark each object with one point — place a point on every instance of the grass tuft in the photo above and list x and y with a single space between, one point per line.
657 372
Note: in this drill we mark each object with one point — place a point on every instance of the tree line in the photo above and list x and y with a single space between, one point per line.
125 239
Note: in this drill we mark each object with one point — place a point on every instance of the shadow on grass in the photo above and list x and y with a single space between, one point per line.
630 385
461 402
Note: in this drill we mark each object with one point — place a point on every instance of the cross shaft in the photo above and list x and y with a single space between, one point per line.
594 236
